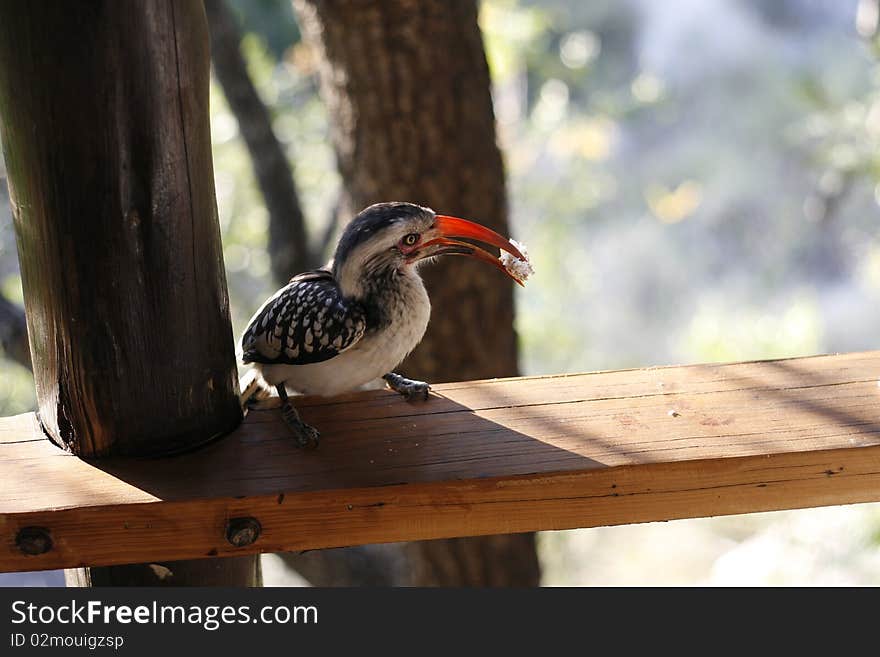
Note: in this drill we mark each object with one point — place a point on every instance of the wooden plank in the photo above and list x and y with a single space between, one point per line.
483 457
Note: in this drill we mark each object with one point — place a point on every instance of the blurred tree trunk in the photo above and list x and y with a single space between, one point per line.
408 90
288 244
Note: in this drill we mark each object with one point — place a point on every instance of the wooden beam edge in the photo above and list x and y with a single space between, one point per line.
161 531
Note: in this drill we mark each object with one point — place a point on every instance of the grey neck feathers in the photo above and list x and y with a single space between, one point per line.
383 289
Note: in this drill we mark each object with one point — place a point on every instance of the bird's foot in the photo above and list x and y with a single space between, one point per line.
306 435
411 389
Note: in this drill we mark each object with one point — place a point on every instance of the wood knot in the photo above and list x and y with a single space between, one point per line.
33 540
243 531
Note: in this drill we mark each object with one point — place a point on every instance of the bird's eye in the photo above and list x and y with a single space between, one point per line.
410 240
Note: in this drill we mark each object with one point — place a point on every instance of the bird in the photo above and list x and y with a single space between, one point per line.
351 322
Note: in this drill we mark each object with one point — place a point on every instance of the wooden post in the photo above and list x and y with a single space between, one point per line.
105 130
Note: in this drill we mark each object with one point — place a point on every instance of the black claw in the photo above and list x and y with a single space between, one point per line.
417 392
306 436
410 389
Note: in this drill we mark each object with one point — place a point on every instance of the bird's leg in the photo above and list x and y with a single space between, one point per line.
306 435
409 388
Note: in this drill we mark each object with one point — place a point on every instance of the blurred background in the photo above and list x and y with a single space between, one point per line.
696 181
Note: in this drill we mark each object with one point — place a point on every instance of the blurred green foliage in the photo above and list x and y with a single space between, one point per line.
272 19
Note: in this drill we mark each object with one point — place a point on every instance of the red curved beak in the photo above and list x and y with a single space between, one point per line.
452 227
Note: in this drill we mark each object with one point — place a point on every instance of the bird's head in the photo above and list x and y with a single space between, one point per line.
390 238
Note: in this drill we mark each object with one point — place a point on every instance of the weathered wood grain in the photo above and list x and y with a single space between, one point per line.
497 456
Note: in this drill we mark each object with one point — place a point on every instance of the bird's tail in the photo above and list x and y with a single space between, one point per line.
252 388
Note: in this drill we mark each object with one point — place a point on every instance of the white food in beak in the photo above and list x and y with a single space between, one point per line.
521 269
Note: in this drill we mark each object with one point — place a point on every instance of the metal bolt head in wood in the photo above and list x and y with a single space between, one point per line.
242 531
33 540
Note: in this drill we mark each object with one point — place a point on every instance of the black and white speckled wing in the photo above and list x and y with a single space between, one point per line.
306 321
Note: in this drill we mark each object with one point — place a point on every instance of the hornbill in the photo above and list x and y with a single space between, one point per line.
335 329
